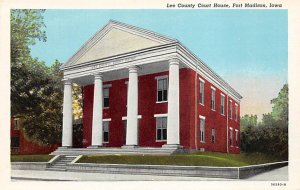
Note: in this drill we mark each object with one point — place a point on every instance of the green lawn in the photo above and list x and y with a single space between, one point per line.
30 158
194 159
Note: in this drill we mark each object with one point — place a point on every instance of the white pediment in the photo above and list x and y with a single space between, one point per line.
115 39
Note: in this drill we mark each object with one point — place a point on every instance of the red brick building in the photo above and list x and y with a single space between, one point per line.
21 145
143 89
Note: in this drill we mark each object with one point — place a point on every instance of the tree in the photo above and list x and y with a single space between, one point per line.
27 73
248 120
280 109
271 135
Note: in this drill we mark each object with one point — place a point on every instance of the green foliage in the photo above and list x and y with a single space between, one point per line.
248 120
36 90
46 126
280 110
195 159
271 135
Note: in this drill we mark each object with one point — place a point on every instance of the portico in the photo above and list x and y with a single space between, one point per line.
133 71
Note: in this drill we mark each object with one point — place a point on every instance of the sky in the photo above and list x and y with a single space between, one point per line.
247 48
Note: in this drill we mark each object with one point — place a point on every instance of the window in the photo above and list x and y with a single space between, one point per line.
202 129
105 131
231 137
236 137
105 97
162 89
235 112
213 99
230 109
16 124
161 128
222 104
201 92
15 142
213 136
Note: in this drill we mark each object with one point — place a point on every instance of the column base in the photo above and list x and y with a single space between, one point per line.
129 146
94 146
172 146
64 147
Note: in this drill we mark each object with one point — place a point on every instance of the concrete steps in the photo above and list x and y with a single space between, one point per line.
112 151
61 163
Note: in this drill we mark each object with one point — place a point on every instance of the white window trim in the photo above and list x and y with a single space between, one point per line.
201 80
236 131
161 77
214 89
231 129
230 103
104 87
158 78
125 117
161 115
213 129
202 117
107 86
106 120
18 125
222 95
236 111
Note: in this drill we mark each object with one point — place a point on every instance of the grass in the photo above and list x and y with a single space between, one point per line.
31 158
194 159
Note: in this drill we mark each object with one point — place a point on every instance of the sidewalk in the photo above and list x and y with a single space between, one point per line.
280 174
22 175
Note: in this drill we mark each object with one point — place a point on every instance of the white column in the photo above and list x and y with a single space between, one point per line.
173 104
67 115
132 108
97 127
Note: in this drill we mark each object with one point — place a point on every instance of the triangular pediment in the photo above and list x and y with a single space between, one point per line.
114 39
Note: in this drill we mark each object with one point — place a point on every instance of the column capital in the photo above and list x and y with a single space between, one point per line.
174 61
66 81
98 75
133 68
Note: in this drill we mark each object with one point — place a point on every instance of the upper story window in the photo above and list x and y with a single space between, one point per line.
202 91
162 89
230 109
213 98
235 112
16 124
222 107
105 97
202 129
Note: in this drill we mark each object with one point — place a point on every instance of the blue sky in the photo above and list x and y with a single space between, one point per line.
248 48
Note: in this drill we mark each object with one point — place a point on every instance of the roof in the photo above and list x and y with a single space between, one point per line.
117 38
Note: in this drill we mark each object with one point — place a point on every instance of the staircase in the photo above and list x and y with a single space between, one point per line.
61 163
111 151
